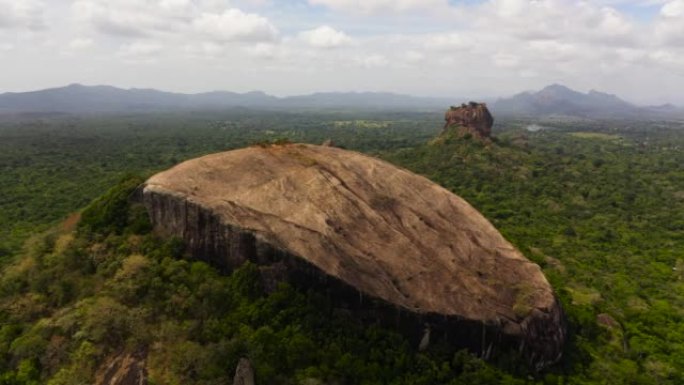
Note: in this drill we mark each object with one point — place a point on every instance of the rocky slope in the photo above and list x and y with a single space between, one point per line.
362 228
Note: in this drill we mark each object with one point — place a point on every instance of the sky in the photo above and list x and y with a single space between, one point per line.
445 48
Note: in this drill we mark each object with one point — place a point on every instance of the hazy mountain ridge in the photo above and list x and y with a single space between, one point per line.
79 99
558 100
552 101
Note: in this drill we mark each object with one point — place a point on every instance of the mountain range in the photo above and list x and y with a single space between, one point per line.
80 99
558 100
552 101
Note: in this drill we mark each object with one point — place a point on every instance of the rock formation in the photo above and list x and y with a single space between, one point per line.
473 118
244 373
123 369
389 244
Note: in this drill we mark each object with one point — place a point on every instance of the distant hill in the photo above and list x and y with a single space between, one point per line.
552 101
79 99
558 100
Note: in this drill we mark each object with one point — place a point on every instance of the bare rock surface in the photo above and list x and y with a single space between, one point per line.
123 369
386 232
473 118
244 373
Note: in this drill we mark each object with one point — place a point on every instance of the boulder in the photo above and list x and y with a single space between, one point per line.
387 243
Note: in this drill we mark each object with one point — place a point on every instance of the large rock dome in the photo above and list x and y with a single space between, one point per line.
390 234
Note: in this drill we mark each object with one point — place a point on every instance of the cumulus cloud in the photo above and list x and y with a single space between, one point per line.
325 37
555 20
81 43
372 61
140 52
448 41
22 14
233 24
139 49
506 60
413 57
669 28
206 49
673 9
550 51
267 51
668 60
133 18
370 7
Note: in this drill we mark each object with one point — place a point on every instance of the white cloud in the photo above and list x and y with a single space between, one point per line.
206 49
81 44
669 27
506 60
414 57
139 50
134 18
551 51
264 51
669 60
612 23
235 25
22 14
450 41
561 20
370 7
673 9
372 61
176 7
325 37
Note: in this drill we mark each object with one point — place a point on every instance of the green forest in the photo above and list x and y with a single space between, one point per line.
598 205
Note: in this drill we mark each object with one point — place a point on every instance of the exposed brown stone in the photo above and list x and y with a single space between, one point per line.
473 118
388 243
123 369
244 373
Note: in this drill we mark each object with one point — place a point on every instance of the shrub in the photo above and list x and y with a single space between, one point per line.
110 213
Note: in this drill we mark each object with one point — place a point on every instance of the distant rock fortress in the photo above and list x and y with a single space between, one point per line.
387 244
473 118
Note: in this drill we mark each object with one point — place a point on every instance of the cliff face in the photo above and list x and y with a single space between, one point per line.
473 117
360 227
